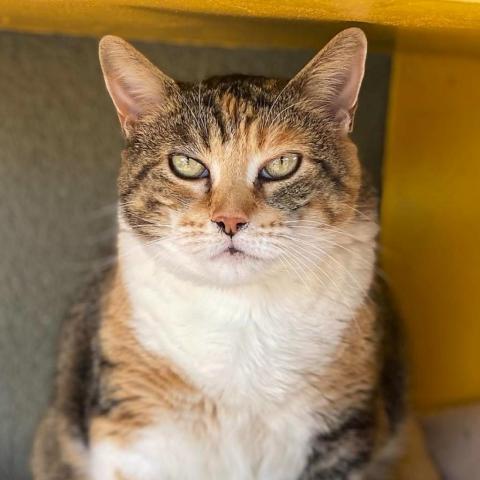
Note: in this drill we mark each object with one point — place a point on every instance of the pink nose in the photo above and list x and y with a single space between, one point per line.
230 224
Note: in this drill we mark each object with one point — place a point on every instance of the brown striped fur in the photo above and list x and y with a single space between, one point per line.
137 383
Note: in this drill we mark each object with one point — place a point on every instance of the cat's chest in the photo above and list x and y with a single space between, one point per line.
236 447
241 347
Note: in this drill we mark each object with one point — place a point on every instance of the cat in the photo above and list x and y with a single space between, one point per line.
241 334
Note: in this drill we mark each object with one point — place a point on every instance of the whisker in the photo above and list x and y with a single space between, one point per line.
287 259
301 245
356 210
325 227
351 311
333 244
317 266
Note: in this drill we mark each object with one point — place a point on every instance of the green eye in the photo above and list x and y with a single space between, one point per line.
187 167
281 167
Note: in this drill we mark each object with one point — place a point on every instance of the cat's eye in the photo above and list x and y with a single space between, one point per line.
187 167
281 167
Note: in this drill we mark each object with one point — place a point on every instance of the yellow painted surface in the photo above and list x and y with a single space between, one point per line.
247 22
170 22
431 218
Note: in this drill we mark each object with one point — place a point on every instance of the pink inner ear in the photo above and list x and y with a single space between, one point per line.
127 106
348 95
344 103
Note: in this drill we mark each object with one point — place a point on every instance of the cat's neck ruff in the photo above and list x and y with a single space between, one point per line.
247 342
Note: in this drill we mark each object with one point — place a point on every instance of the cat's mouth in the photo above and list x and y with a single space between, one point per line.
232 252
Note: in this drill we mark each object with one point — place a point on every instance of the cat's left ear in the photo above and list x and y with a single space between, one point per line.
331 81
135 85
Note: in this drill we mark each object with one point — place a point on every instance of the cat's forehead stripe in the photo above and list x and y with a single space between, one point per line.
234 127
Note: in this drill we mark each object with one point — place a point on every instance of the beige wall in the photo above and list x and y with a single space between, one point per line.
59 149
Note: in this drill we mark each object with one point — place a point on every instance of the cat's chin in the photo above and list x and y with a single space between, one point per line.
232 267
227 268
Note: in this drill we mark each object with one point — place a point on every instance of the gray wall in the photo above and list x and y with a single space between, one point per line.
59 150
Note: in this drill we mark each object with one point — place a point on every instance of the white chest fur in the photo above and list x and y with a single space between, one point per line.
248 343
273 447
246 346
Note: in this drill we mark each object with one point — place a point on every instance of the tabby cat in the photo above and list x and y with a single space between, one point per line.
240 335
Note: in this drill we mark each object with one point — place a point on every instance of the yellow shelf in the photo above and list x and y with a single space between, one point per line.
292 23
431 219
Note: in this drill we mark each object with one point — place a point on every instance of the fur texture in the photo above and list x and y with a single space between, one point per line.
255 352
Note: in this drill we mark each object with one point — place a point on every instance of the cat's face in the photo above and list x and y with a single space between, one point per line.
236 177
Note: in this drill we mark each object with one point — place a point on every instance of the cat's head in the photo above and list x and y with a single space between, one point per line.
238 176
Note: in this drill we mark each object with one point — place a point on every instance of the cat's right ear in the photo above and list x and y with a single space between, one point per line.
135 85
330 82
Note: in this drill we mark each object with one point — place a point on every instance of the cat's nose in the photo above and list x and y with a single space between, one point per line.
230 224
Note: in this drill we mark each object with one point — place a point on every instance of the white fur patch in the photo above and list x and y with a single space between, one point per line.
246 346
233 451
